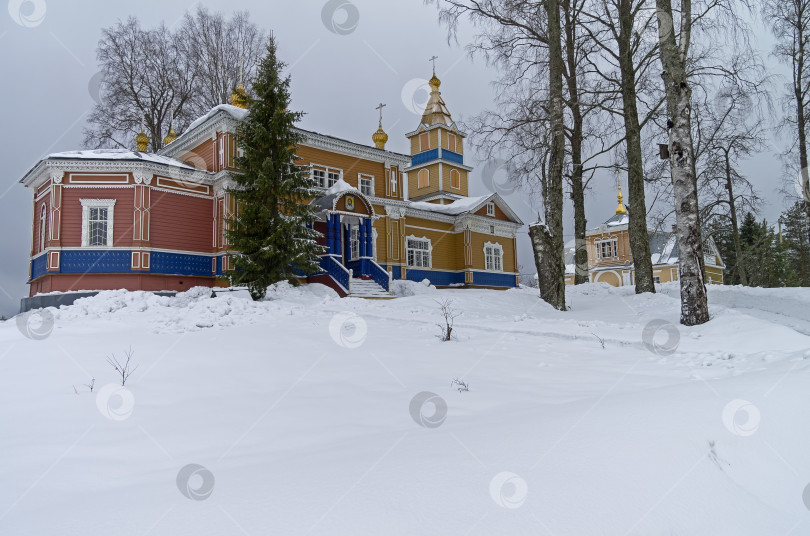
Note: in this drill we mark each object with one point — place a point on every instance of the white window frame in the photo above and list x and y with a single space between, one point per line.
87 204
496 264
330 174
43 226
370 179
452 146
222 163
614 248
490 209
393 182
422 252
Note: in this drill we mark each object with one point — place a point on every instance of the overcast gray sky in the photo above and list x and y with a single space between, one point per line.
338 80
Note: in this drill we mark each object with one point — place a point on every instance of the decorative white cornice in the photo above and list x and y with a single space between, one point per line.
46 169
395 212
222 185
437 161
423 127
347 148
484 225
222 121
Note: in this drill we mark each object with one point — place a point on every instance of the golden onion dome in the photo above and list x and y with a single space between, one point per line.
142 141
379 138
435 82
170 137
239 97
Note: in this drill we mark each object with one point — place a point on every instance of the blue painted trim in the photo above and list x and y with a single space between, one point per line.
96 261
490 279
396 271
180 264
426 156
38 266
436 277
331 266
118 261
453 157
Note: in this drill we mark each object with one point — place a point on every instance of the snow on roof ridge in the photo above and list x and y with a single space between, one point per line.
340 186
234 111
119 154
456 207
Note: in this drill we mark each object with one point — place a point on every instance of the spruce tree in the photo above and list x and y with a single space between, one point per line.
272 230
795 238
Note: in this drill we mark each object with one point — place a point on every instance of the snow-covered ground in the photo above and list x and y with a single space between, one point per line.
310 414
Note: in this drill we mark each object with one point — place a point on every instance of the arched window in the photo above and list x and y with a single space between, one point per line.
43 225
423 179
455 179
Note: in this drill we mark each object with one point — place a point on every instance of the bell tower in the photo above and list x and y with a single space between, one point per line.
437 172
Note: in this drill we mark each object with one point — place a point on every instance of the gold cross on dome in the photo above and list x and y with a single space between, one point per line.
433 60
380 107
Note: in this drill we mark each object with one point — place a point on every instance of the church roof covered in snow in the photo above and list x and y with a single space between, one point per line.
118 154
663 248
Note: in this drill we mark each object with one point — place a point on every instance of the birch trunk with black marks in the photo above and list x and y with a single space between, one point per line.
674 53
637 205
547 239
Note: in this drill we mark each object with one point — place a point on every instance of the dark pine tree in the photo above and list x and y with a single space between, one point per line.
795 239
272 230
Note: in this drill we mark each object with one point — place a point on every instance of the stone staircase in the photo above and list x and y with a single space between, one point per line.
366 288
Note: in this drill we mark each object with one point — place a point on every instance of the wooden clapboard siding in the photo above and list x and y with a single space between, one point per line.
350 165
622 245
447 248
433 185
381 226
477 243
181 222
499 214
201 156
123 213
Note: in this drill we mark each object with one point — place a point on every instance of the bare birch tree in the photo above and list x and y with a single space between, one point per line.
160 78
145 81
674 53
224 53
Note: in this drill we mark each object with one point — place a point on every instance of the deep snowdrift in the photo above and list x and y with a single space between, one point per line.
305 414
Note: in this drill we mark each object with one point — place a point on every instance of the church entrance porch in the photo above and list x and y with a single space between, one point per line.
345 221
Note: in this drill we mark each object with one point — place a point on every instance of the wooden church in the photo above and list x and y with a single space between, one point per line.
611 261
111 219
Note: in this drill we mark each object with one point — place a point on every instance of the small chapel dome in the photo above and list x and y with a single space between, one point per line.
142 141
379 138
170 137
239 97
